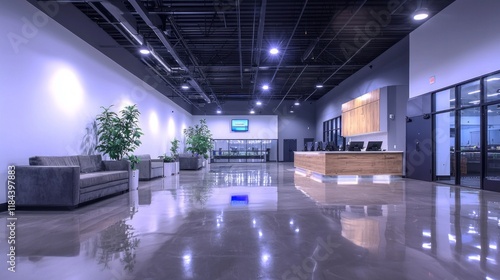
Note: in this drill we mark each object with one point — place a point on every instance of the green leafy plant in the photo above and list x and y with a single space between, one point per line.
134 160
174 150
199 138
118 135
168 159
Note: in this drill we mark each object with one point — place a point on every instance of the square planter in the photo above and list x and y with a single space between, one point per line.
134 180
168 169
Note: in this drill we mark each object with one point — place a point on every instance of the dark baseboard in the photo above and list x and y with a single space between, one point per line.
3 207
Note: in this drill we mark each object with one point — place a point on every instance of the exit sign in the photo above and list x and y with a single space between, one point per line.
432 80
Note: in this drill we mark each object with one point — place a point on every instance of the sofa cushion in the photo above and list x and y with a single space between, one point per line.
156 164
89 164
101 177
54 161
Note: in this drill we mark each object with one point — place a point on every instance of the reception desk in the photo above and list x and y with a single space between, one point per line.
350 163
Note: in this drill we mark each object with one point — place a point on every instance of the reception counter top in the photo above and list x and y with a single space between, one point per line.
350 163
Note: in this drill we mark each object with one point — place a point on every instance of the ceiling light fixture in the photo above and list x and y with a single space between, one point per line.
258 103
421 14
297 103
144 50
319 85
252 111
184 86
265 87
219 111
274 51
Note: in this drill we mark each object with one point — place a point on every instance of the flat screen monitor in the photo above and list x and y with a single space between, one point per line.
374 146
331 146
239 125
356 145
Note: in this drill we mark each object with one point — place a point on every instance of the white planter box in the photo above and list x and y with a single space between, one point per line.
177 167
134 180
168 169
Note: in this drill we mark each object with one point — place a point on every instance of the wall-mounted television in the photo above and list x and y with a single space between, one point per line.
239 125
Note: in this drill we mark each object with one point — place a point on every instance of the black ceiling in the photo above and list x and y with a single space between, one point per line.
220 47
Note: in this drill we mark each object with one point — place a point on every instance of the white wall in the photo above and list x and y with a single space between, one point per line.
54 86
459 43
260 127
388 69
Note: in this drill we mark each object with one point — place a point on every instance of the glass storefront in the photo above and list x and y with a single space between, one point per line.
466 131
245 150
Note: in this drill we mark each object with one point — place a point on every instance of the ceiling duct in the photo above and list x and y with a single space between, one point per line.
153 21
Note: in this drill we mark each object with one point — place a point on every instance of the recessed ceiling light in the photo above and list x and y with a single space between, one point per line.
252 111
296 103
219 111
258 103
319 85
274 51
421 14
265 87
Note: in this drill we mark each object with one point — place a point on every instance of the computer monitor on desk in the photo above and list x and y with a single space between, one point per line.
374 146
355 146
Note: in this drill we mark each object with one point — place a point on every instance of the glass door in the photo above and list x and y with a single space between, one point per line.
492 176
445 154
470 152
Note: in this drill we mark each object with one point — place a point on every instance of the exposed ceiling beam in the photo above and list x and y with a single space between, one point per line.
154 20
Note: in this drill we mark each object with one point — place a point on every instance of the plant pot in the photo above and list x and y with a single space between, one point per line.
168 169
177 167
134 180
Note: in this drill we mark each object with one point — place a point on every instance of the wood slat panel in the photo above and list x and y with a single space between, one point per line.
354 163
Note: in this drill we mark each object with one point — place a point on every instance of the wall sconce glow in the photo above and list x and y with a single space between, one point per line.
154 123
265 87
171 128
274 51
66 90
421 14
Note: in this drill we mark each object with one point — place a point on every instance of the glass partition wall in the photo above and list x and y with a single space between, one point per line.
241 150
467 134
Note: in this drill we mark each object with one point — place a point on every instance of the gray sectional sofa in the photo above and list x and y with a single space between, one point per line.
190 162
149 168
68 181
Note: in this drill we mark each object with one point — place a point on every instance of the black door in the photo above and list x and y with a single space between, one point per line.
419 148
289 146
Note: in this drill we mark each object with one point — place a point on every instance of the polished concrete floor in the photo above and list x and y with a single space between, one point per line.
262 221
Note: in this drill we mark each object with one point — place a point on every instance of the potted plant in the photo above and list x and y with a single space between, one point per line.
199 139
134 175
174 151
119 135
168 166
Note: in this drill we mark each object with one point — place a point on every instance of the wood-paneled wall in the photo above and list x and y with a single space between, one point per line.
361 115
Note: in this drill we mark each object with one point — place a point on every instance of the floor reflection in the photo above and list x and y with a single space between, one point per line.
262 221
